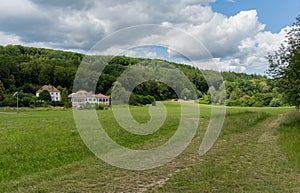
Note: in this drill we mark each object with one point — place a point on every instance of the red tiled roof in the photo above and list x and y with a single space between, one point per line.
49 88
85 94
101 96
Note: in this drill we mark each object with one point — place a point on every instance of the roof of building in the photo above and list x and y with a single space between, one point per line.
85 94
49 88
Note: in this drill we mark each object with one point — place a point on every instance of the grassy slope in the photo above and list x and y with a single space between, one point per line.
41 151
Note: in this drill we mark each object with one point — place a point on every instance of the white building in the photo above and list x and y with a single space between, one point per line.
84 97
54 92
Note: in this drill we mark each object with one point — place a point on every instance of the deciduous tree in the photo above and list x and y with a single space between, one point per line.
285 66
45 96
2 90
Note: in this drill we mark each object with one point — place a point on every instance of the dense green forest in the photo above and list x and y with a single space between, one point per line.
26 69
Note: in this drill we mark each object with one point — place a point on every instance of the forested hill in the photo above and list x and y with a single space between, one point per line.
26 69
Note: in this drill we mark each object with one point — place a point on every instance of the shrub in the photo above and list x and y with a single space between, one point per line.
141 100
230 102
275 102
99 107
204 100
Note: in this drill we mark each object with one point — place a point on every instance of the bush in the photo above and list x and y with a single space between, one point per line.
230 102
275 102
99 107
141 100
68 104
86 106
204 100
57 103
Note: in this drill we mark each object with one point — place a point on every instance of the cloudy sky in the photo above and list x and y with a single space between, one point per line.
237 33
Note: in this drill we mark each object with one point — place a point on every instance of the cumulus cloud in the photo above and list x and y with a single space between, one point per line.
8 39
235 43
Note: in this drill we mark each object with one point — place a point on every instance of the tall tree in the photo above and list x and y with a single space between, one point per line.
2 90
64 95
45 96
285 66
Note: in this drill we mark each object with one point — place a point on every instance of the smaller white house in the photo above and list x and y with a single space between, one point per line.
54 92
84 97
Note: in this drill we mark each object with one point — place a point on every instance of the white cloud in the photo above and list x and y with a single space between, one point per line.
143 53
6 39
17 8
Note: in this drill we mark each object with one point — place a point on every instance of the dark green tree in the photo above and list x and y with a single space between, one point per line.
285 66
2 90
45 96
64 95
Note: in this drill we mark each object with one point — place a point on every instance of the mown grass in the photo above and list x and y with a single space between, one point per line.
141 115
34 141
245 158
41 151
238 122
289 138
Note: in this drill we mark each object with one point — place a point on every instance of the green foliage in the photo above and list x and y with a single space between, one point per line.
87 106
64 95
285 66
25 100
36 66
276 102
186 94
27 69
231 102
289 139
99 107
204 100
2 90
68 104
140 99
249 90
45 96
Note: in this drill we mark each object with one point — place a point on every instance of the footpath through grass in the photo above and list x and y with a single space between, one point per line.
41 151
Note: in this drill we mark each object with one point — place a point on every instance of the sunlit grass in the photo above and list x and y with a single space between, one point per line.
290 136
41 150
37 140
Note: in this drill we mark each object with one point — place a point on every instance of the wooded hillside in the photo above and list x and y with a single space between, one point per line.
26 69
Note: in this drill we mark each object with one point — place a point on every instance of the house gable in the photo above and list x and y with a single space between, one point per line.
54 92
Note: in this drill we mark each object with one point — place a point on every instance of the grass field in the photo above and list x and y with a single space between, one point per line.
257 151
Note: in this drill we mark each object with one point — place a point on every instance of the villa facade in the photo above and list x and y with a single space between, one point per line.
84 97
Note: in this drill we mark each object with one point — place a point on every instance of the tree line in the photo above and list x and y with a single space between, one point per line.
26 69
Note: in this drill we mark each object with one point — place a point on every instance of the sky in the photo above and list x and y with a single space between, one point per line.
238 34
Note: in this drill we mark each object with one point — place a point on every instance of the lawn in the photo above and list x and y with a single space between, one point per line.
41 151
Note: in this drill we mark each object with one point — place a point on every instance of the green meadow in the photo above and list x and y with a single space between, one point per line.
258 150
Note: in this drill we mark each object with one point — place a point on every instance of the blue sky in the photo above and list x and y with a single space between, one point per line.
238 34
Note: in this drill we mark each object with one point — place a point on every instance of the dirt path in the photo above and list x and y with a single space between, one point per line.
245 162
